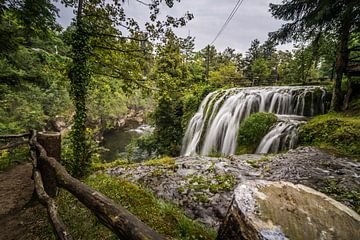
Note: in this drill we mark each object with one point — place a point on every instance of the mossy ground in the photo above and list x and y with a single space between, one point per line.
161 216
334 131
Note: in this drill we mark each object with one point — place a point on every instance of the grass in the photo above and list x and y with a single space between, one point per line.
334 131
165 218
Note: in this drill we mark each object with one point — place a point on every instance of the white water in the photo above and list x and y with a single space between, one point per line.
283 135
214 127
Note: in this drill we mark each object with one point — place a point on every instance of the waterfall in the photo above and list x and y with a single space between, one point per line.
214 127
282 136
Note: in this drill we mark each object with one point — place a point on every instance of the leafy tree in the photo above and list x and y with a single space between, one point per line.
306 19
98 32
170 75
38 17
226 74
260 69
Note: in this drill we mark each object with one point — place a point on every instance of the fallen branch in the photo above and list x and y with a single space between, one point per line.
15 136
13 145
58 226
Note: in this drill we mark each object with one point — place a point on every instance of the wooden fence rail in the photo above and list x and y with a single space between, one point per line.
119 220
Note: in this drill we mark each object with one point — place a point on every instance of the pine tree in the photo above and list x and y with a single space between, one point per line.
308 18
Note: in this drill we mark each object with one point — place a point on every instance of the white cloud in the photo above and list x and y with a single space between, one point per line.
252 20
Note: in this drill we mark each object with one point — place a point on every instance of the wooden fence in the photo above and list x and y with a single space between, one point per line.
49 174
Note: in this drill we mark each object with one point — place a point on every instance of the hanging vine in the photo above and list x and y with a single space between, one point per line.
79 75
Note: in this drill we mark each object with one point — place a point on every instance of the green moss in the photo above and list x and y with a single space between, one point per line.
102 166
198 182
181 189
161 216
157 172
211 168
252 130
352 198
165 161
223 182
215 184
201 197
339 132
256 163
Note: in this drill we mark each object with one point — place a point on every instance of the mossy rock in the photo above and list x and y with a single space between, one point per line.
333 131
252 130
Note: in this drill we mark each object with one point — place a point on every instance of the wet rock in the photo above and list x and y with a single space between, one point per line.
206 184
281 210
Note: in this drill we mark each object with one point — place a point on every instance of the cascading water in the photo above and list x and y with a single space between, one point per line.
282 136
214 128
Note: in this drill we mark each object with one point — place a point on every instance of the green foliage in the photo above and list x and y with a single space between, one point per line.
92 152
164 218
226 74
79 75
260 69
33 90
11 157
252 130
333 131
170 76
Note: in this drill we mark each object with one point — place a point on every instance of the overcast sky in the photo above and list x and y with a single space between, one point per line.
252 20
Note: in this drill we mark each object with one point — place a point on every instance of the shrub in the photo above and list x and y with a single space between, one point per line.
252 130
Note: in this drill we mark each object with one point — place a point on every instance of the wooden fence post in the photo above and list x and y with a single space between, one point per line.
51 141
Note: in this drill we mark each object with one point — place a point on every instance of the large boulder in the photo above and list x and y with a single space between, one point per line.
281 210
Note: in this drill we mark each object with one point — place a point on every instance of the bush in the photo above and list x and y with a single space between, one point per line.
252 130
11 157
333 131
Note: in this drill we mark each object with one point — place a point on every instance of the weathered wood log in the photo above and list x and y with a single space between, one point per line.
124 224
58 226
15 136
51 141
13 145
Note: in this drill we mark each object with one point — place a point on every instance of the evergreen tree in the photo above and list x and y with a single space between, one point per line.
307 18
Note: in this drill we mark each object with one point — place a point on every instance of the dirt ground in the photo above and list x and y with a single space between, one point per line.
21 217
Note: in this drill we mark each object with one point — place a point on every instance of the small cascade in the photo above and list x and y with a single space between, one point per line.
214 128
283 135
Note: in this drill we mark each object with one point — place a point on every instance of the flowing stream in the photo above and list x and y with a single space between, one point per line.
214 127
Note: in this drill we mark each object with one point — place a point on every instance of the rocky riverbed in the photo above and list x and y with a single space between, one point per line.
204 186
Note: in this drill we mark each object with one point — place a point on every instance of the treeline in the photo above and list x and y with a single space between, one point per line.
106 62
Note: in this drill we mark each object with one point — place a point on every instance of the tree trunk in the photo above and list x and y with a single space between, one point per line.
342 58
51 141
348 94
